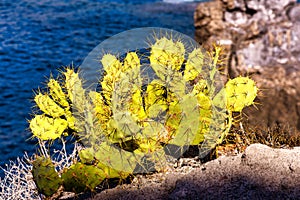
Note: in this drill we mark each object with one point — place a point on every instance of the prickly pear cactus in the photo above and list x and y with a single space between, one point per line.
45 176
240 92
80 178
149 106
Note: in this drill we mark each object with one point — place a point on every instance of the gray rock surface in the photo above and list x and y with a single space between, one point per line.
258 33
262 39
259 173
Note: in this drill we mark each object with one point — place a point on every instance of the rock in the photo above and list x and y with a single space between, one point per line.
278 102
294 14
259 173
262 38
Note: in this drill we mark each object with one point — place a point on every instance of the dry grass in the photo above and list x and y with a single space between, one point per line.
18 183
277 136
243 135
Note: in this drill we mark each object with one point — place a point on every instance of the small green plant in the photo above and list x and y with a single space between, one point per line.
130 125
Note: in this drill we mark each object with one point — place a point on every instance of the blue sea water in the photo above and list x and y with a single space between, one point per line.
38 37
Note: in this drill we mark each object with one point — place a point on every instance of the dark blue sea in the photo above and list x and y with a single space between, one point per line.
39 37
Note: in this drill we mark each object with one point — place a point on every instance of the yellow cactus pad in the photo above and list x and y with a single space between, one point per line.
102 111
205 117
131 61
155 102
194 64
111 63
47 128
56 93
136 106
112 67
74 88
71 120
240 92
167 53
48 106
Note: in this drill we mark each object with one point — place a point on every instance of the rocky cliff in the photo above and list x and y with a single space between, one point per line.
262 38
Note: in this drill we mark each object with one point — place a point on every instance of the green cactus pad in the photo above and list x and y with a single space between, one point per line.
81 177
44 175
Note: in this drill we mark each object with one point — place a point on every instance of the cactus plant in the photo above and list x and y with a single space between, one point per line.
134 119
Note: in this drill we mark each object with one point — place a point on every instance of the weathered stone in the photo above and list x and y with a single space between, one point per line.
210 18
263 26
278 101
262 38
259 173
235 4
294 14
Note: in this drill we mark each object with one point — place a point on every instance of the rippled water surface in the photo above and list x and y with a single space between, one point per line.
37 37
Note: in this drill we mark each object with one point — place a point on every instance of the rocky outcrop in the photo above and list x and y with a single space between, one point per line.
259 173
262 38
259 33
